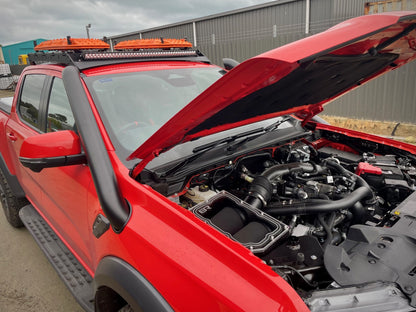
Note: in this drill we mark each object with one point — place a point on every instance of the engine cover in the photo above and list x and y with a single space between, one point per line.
371 254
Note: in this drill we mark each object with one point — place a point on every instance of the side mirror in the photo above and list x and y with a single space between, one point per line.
54 149
229 63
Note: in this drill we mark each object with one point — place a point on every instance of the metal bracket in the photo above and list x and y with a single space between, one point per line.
100 226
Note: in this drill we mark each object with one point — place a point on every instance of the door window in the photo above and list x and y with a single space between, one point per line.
60 115
29 103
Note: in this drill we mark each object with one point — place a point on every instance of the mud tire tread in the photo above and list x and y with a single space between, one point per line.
11 204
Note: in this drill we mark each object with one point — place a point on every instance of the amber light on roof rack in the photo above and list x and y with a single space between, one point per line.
71 44
153 44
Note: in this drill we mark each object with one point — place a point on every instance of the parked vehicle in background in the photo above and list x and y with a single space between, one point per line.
156 181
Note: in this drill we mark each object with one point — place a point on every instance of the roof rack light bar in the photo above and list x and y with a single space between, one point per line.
144 54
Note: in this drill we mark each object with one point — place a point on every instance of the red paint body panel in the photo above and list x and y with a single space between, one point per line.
193 260
45 146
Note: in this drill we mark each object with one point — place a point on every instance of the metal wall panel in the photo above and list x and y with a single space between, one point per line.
180 31
391 97
244 33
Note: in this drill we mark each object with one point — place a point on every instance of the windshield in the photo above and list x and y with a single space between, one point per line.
133 106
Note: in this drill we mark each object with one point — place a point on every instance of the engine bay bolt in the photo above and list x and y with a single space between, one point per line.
300 258
372 261
408 288
313 257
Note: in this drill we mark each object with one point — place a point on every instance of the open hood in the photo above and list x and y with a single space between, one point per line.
297 78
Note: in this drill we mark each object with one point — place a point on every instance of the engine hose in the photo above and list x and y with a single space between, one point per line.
319 205
261 189
358 180
328 227
337 221
283 169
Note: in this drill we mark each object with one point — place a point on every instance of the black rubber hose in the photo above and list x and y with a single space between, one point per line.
261 189
328 227
283 169
260 192
319 205
358 180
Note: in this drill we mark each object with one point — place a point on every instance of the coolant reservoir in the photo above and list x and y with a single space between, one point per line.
199 194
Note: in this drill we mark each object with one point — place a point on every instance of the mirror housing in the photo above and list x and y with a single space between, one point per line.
53 149
229 63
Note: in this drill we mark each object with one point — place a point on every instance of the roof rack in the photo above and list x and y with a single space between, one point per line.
153 44
88 53
71 44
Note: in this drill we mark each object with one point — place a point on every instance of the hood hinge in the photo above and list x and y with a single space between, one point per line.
309 112
141 165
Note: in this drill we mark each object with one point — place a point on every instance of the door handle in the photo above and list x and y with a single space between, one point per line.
12 137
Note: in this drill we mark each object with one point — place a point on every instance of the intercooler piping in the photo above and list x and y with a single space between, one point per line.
315 206
261 190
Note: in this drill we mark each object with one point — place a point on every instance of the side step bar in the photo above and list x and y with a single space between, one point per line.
75 277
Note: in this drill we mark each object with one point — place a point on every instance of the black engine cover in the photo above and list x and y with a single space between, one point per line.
371 254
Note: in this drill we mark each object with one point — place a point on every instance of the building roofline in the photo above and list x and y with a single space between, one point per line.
17 43
205 18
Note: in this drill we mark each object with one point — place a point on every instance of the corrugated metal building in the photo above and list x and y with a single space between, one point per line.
243 33
11 52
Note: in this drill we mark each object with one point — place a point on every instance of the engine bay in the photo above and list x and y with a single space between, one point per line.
324 212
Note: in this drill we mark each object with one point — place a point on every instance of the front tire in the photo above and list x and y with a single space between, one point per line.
126 308
11 204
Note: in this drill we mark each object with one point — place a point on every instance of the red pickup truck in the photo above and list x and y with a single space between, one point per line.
154 180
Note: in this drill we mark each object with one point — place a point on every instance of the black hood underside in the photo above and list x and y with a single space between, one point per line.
311 83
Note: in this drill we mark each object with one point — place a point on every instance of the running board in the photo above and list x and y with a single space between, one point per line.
75 277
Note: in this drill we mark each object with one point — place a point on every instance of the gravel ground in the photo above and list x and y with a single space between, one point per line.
28 282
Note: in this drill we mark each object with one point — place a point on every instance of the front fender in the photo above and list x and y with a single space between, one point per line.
132 286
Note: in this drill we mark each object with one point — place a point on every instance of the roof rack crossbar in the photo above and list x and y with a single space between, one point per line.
92 58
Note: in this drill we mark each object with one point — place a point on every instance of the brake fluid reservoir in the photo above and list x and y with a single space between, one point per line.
199 194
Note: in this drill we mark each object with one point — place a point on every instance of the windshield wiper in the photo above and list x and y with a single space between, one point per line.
200 150
247 135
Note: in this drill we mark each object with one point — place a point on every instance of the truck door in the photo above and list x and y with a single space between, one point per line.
59 194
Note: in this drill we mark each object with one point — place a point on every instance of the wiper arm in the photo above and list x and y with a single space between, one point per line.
202 149
249 135
276 124
229 139
246 134
231 148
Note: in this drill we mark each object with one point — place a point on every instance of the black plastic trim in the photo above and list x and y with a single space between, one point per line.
113 205
11 179
37 164
76 59
229 63
135 289
43 108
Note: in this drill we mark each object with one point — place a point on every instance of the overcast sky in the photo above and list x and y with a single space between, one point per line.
22 20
